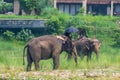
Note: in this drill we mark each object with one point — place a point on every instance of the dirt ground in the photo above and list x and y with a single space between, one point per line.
83 74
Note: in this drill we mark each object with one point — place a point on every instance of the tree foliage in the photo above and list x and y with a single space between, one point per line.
31 4
5 7
117 37
37 5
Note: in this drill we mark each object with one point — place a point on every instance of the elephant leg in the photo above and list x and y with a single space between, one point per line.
75 55
36 62
88 57
55 61
69 56
96 56
29 60
82 56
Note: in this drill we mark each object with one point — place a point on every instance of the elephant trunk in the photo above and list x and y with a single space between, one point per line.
96 52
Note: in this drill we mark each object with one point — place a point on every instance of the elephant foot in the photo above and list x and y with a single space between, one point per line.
28 69
55 68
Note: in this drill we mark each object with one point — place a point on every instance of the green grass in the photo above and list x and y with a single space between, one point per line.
11 52
11 62
19 17
11 55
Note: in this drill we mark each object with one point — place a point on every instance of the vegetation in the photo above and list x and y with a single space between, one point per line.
11 62
104 28
24 35
37 5
5 7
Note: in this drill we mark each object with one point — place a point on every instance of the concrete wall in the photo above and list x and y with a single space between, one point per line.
7 23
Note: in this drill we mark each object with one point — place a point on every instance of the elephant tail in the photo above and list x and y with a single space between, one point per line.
24 54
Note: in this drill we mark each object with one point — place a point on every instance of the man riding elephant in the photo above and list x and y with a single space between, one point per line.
45 47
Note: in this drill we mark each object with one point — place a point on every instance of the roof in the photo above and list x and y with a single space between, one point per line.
116 1
98 1
69 1
89 1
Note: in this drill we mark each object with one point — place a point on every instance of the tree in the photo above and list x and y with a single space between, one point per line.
4 7
41 4
36 5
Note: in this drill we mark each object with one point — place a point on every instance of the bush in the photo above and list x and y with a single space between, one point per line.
49 11
81 11
5 7
37 5
117 38
58 23
8 35
24 35
53 25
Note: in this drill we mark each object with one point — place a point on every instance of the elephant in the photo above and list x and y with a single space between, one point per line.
85 47
46 47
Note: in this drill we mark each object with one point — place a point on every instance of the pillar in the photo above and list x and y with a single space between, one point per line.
85 6
55 6
112 3
16 7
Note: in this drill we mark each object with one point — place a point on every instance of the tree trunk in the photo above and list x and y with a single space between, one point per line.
32 12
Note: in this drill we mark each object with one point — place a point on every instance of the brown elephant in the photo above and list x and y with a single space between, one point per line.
85 47
45 47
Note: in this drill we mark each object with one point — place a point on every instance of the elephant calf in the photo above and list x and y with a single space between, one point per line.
87 46
45 47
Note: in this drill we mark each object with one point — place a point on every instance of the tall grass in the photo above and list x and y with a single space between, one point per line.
98 26
11 55
19 17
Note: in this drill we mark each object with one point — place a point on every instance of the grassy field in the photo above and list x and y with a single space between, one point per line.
11 63
107 67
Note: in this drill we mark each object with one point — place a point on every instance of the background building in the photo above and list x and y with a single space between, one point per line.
95 7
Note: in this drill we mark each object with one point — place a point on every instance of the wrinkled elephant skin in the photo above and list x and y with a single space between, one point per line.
45 47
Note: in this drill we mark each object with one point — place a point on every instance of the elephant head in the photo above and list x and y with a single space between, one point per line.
95 46
68 46
85 47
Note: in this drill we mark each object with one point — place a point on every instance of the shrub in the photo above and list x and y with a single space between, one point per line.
53 25
5 7
81 11
24 35
48 11
36 5
58 23
8 35
117 37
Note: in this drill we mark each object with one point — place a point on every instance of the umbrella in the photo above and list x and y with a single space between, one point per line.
71 30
